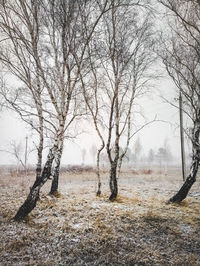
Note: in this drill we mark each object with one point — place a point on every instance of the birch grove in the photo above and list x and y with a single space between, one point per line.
78 59
46 39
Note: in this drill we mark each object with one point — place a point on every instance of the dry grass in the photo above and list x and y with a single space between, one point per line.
78 228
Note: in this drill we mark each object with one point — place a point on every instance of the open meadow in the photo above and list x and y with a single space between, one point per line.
78 228
116 85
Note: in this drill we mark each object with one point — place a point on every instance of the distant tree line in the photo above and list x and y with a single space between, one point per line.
135 156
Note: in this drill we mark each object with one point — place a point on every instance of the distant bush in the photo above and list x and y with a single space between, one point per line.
135 172
14 171
76 169
146 171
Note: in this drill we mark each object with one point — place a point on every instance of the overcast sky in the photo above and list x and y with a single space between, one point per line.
151 137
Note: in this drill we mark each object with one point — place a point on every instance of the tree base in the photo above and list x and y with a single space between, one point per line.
54 187
183 192
113 196
98 194
56 194
28 205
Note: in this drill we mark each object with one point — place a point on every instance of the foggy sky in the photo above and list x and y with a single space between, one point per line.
151 137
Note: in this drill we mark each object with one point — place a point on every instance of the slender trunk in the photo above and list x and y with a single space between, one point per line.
98 168
182 193
182 135
33 196
119 166
128 137
39 153
54 184
99 186
39 165
113 182
98 174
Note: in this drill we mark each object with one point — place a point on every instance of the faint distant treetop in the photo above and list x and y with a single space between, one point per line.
151 156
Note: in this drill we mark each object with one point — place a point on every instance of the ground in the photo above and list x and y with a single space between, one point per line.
78 228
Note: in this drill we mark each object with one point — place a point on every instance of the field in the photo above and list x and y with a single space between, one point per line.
78 228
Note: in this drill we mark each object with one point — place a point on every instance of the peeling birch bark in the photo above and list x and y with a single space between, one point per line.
33 195
54 184
183 192
113 182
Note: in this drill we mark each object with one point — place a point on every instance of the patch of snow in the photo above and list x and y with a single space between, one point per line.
76 240
186 229
76 226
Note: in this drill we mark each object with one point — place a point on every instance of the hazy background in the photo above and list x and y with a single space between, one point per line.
152 136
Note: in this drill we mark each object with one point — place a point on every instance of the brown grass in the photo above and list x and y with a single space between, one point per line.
78 228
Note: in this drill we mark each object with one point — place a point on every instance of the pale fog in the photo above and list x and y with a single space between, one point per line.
153 136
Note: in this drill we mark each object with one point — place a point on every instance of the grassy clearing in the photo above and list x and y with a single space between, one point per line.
78 228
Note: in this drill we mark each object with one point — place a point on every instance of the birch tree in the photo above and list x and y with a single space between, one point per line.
15 59
121 60
181 56
48 38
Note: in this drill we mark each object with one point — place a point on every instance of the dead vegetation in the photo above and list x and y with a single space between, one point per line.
78 228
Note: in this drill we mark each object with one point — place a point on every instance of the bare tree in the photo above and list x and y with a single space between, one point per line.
47 41
181 57
91 96
137 149
25 98
83 154
151 156
130 58
120 59
19 153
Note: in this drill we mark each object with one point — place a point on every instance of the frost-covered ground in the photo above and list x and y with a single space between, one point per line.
77 228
